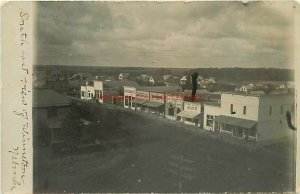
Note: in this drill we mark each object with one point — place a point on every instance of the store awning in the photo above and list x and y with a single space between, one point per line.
153 104
188 114
245 123
139 101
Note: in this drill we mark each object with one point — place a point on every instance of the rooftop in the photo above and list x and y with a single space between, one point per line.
161 89
48 98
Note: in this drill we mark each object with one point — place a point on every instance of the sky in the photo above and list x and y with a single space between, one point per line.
166 34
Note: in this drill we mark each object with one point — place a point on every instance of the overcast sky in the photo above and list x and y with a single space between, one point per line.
174 34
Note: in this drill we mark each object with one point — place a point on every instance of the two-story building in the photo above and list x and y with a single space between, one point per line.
92 90
251 117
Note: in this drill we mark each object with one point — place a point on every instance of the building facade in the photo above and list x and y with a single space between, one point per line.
250 117
156 103
141 97
92 90
174 105
191 114
129 96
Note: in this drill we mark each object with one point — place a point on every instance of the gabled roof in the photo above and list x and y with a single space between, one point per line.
43 98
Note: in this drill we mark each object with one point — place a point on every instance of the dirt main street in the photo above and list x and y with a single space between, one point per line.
159 156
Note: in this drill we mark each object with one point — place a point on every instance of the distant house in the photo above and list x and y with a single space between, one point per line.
147 79
167 77
123 76
245 88
211 80
49 108
185 79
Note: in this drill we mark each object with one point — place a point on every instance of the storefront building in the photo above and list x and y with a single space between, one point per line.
129 96
141 97
156 103
92 90
191 114
174 105
211 111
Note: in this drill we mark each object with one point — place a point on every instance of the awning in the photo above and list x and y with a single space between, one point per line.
153 104
245 123
139 101
188 114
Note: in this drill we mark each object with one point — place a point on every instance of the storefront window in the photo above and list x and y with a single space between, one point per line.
97 93
209 120
227 128
252 132
126 101
238 132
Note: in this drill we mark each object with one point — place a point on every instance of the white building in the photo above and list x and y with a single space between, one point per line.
92 90
252 117
129 96
190 114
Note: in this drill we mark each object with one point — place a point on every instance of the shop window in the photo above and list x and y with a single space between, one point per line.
97 93
51 112
252 132
171 111
209 120
227 128
126 101
238 132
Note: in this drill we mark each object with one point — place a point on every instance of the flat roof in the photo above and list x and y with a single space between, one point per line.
48 98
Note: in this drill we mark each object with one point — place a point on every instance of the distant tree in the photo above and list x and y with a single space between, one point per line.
268 89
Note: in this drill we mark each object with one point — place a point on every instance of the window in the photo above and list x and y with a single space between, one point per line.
126 101
281 109
244 110
227 128
238 132
51 112
89 94
270 110
171 110
231 108
209 120
82 93
97 93
252 132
